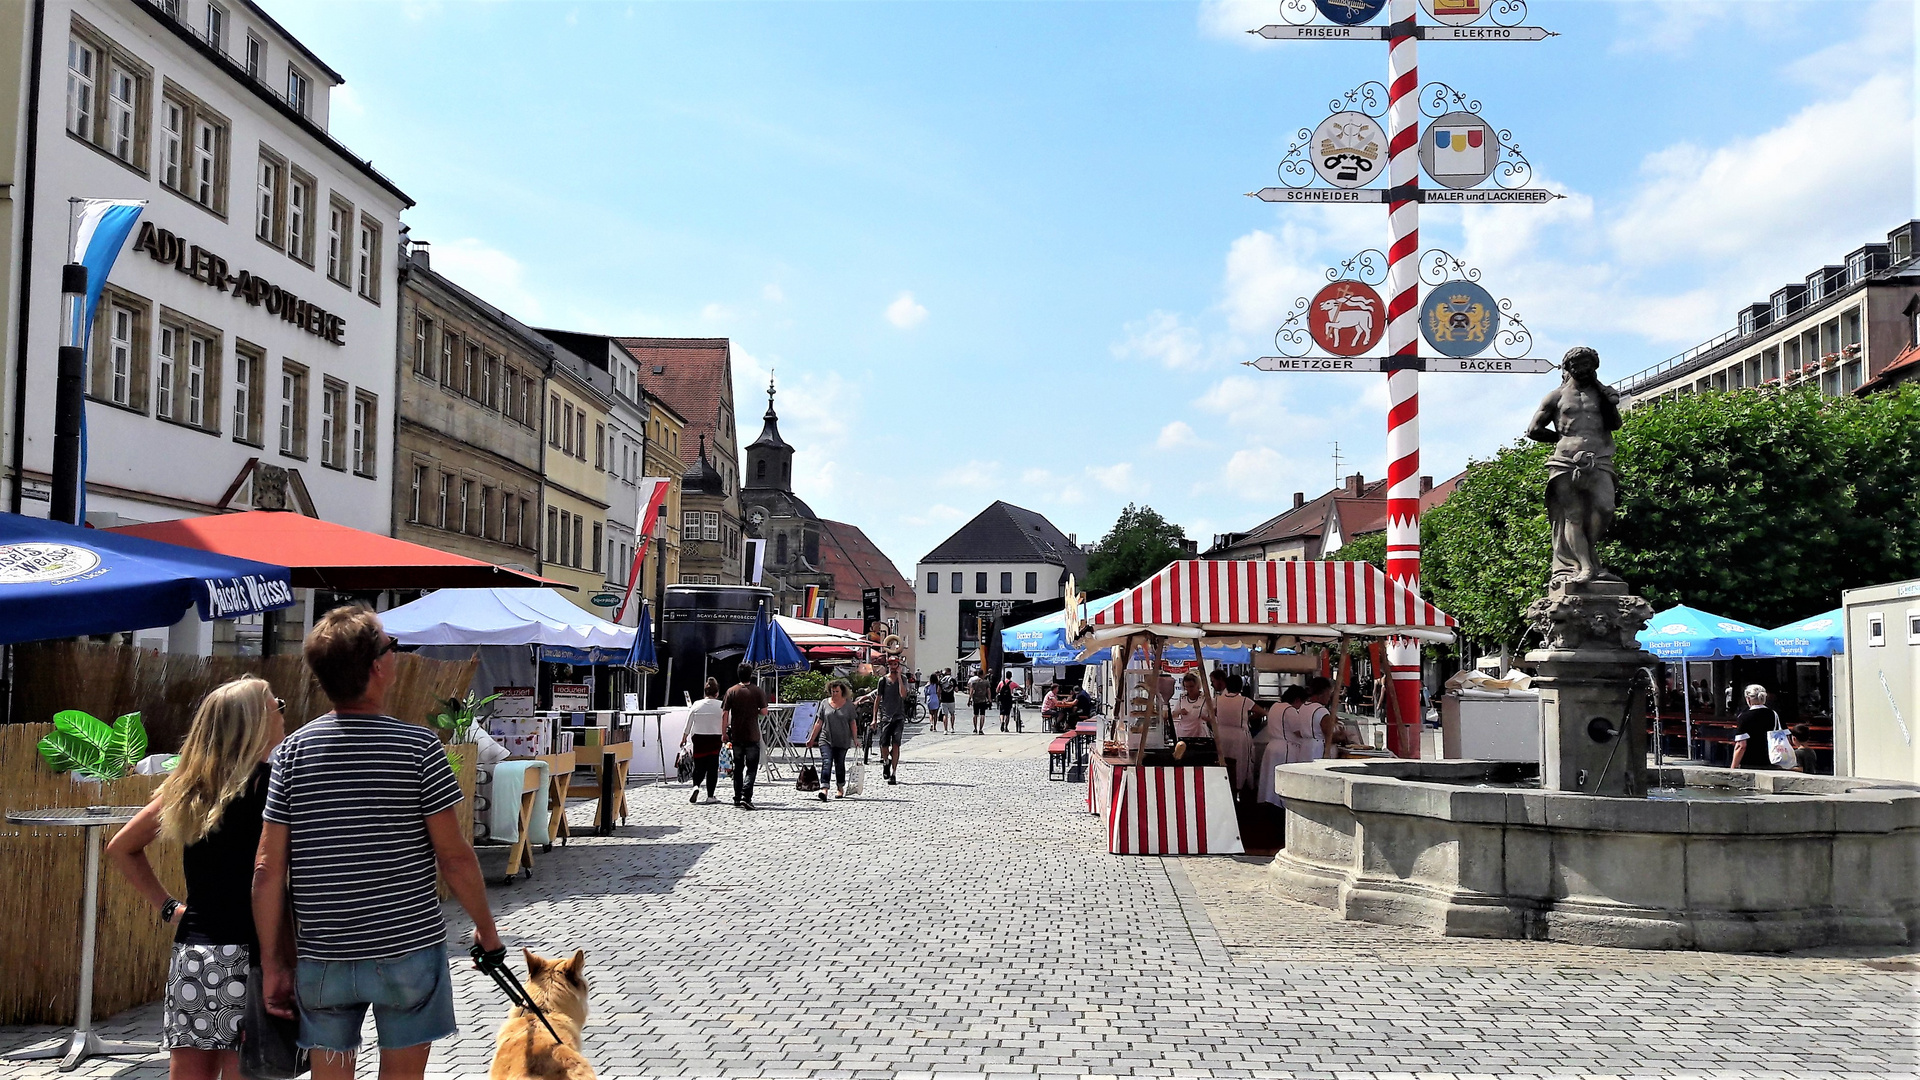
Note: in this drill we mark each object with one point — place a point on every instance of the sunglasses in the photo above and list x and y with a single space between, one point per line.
280 704
392 644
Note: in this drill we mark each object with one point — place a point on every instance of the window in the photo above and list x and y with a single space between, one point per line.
520 525
201 355
266 223
690 523
83 62
760 469
209 172
488 373
122 108
566 431
365 416
423 345
114 375
1876 630
339 214
1006 581
332 402
933 581
506 508
297 95
448 344
599 446
596 547
553 424
413 499
1033 582
466 503
173 129
980 581
248 364
486 505
957 581
509 389
579 538
164 375
217 27
470 372
256 55
553 535
367 260
780 550
300 216
710 521
446 490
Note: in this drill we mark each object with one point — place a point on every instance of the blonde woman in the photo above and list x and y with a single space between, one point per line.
211 805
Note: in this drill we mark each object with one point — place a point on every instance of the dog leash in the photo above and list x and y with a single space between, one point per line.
494 965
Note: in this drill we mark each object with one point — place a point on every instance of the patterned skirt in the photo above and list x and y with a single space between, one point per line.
206 997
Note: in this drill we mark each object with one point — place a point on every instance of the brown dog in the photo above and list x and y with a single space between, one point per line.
525 1051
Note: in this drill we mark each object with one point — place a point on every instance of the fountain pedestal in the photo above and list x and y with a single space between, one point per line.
1593 703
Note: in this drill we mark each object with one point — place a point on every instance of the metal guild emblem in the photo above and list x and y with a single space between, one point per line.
1459 150
1349 12
1346 318
1456 12
1349 149
1459 319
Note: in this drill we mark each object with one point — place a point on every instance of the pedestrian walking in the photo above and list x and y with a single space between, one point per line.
980 693
835 730
745 704
932 694
1003 697
706 728
1750 731
890 717
362 817
947 694
211 804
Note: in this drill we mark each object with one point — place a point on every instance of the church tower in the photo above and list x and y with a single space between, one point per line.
769 458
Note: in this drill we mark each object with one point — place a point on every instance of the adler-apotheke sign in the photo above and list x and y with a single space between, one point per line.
204 266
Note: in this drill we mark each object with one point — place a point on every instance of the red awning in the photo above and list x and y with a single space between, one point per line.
323 555
1234 595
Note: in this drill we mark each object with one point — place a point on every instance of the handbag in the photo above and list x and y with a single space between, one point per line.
683 765
267 1047
856 777
1780 746
809 779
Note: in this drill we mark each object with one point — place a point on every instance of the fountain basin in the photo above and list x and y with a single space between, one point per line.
1723 861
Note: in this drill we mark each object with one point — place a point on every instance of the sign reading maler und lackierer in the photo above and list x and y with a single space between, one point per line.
204 266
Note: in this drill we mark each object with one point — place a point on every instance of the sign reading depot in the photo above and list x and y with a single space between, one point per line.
204 266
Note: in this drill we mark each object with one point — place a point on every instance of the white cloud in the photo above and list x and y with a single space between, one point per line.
1117 478
905 312
1177 435
1160 337
773 292
716 312
489 273
937 514
974 474
818 414
1672 26
1232 19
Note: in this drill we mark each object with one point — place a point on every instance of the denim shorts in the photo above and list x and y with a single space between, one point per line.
411 995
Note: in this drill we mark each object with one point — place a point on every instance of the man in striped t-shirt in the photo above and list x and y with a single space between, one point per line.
362 809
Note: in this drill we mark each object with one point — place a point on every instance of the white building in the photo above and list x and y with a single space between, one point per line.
243 354
1004 557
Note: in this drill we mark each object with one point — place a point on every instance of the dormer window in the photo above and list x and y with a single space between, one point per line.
1856 268
298 94
217 27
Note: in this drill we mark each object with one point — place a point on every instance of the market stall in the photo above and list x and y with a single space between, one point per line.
1153 802
1687 635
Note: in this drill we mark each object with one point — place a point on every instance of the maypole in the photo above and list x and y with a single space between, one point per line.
1403 346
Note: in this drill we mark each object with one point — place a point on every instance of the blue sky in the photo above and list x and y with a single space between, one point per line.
1002 250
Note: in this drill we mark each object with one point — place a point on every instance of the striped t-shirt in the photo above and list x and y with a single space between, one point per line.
355 793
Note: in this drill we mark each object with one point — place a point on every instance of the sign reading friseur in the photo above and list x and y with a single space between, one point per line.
203 265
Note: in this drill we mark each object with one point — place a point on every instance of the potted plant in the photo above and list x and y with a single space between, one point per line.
456 723
92 749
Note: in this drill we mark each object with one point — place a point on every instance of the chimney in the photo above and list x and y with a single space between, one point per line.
1355 483
1074 539
1426 484
418 254
1299 499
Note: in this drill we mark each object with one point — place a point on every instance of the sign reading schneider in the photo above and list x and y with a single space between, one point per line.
202 265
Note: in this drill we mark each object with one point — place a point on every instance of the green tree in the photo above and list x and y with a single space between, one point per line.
1758 505
1140 543
1371 548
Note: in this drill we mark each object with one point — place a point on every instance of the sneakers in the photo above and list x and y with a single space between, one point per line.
748 805
823 795
695 797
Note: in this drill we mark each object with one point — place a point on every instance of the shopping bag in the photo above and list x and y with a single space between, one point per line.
856 777
1780 749
809 779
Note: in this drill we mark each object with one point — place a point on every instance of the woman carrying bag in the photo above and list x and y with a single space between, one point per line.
705 722
211 804
835 730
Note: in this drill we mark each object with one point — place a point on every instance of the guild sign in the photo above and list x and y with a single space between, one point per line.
1456 12
1459 319
35 563
1348 149
1459 150
1346 318
1349 12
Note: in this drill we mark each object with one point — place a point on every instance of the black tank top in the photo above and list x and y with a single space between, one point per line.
219 871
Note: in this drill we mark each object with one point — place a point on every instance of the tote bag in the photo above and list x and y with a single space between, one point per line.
267 1050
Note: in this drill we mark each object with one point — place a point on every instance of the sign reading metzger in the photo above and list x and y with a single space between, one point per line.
202 265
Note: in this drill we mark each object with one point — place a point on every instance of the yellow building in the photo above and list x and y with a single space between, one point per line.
574 477
660 455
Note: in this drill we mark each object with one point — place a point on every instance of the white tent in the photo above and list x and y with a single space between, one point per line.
809 634
502 617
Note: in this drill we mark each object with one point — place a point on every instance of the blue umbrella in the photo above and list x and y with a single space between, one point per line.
770 647
58 580
1821 635
1684 633
644 657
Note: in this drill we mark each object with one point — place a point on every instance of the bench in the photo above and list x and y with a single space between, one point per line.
1057 757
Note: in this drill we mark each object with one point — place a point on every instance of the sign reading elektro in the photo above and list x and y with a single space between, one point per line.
203 265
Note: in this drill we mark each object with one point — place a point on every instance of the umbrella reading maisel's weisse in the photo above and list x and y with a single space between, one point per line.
58 580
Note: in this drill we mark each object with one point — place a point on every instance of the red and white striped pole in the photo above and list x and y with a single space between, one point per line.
1403 339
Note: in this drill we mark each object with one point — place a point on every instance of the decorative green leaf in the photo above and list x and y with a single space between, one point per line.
83 726
65 753
128 745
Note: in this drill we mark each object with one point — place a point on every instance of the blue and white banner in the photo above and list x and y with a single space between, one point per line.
100 230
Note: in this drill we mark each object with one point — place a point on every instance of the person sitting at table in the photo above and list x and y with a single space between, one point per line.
211 803
706 722
1805 758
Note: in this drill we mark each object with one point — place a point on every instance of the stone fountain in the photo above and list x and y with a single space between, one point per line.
1580 849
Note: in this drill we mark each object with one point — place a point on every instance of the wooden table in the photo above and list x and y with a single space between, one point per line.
610 782
560 769
521 850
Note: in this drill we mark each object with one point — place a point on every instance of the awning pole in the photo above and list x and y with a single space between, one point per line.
1686 705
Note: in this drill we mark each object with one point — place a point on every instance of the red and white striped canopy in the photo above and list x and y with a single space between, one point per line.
1228 595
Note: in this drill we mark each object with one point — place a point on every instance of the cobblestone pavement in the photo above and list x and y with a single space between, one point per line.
930 929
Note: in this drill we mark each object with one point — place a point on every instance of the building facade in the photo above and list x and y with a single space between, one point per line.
694 376
1836 330
1006 556
467 453
243 351
574 474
